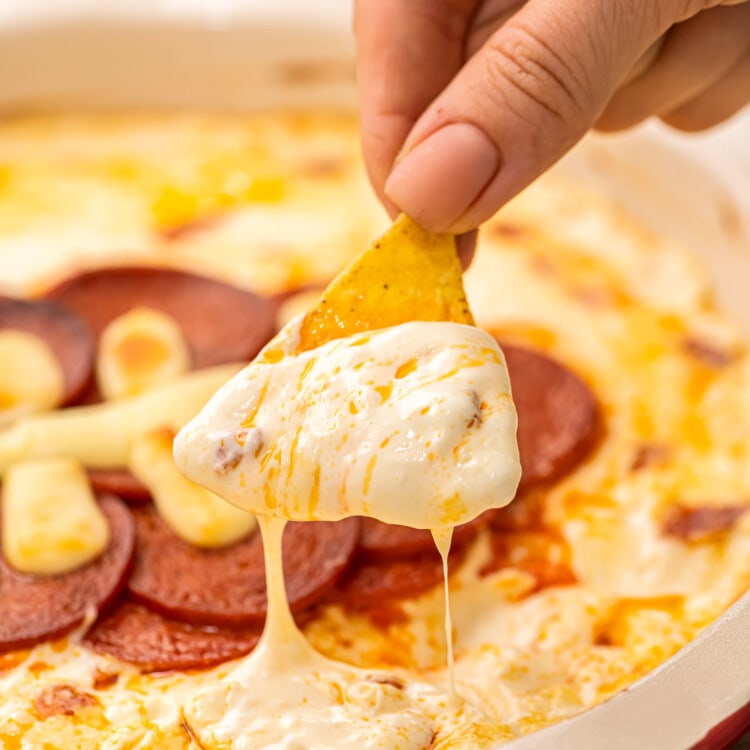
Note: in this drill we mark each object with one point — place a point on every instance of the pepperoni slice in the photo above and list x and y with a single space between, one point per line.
227 586
544 555
389 541
119 482
38 608
221 323
369 585
525 513
558 417
137 635
691 524
64 333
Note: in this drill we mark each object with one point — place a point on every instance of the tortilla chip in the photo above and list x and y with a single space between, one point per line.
408 274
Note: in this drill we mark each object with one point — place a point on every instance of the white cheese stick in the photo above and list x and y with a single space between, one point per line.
51 522
195 514
100 436
138 350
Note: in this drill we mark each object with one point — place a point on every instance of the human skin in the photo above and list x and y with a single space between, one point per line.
465 102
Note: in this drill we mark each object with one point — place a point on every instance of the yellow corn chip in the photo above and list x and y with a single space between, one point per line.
408 274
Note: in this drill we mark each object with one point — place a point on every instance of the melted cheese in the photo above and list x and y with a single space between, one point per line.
51 523
442 539
287 696
419 411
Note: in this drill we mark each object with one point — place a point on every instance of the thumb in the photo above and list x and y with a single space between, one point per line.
529 94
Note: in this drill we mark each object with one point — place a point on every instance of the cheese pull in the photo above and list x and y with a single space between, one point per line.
30 375
192 512
137 350
101 436
51 522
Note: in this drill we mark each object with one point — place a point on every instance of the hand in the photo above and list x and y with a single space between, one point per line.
471 100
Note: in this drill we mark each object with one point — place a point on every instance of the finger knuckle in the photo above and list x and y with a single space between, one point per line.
534 77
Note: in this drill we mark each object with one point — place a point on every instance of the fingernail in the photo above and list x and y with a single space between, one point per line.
437 181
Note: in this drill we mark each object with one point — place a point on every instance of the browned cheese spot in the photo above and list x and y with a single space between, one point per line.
62 700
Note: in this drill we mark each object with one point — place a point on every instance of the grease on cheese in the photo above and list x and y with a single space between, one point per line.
139 349
102 435
51 522
195 514
30 376
412 424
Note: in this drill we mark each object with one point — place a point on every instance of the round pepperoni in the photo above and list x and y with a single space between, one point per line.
67 336
38 608
525 513
119 482
153 643
228 586
221 323
544 555
558 417
389 541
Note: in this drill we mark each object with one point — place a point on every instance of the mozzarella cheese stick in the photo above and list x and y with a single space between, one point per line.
30 377
100 436
51 522
138 350
195 514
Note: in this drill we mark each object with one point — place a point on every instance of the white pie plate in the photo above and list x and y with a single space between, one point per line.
251 54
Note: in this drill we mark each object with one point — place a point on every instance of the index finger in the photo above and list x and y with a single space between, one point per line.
407 53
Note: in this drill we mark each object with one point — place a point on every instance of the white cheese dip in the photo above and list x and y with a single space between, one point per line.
412 425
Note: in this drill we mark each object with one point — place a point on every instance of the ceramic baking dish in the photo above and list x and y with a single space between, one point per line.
244 55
